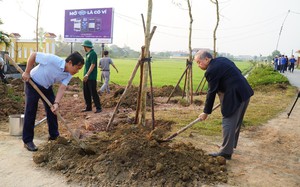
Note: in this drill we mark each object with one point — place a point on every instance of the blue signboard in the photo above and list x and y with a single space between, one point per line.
92 24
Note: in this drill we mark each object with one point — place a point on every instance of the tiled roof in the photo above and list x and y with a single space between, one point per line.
16 35
50 35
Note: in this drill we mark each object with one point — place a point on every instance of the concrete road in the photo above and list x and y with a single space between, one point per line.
294 77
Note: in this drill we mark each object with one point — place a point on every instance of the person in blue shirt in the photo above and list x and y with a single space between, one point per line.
275 61
50 69
292 63
234 92
282 62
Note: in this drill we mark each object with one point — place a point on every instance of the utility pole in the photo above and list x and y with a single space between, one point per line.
281 30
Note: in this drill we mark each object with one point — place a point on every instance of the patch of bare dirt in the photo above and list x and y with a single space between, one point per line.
269 155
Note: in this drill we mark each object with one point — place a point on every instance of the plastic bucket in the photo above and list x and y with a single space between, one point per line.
16 123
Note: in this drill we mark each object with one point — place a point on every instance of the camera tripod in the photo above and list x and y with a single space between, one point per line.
294 105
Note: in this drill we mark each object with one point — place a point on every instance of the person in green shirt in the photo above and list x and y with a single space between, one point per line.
90 78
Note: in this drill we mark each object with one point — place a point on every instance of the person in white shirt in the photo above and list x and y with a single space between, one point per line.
104 64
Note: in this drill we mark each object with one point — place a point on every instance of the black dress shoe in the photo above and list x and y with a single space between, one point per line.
98 111
86 110
30 146
226 156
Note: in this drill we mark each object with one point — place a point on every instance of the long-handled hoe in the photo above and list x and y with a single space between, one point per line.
184 128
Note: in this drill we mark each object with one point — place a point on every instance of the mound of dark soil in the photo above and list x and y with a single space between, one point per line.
129 100
166 90
129 156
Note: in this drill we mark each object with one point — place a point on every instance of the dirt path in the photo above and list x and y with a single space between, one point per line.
270 154
18 169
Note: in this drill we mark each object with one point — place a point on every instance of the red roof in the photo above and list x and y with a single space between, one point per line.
50 35
16 35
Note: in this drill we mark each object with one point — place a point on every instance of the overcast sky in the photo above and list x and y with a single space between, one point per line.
247 27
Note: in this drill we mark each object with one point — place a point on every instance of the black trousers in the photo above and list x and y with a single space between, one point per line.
292 66
89 92
32 99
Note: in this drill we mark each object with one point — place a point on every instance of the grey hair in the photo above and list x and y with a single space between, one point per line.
203 54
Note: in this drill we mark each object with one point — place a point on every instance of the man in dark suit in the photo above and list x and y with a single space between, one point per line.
226 80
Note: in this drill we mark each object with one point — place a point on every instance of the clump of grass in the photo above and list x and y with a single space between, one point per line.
265 75
13 95
183 102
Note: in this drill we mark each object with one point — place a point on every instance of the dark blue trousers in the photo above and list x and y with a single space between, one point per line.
32 99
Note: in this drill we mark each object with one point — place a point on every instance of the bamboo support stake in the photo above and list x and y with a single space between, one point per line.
152 98
203 86
191 83
199 84
184 86
140 87
177 84
121 98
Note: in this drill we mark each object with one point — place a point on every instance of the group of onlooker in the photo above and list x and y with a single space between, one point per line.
283 63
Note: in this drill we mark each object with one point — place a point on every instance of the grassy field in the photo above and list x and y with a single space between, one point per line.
164 71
